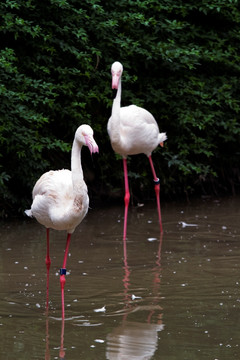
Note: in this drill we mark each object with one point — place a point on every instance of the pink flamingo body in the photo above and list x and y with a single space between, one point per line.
133 130
60 198
137 132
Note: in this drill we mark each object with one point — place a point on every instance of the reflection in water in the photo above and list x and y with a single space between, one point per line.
47 352
61 350
197 277
202 257
132 339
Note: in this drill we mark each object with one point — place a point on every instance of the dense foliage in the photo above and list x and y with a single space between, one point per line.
181 62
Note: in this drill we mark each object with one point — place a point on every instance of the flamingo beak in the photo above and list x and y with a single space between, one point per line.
91 144
161 144
115 81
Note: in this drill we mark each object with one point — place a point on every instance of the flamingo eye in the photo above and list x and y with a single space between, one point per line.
117 73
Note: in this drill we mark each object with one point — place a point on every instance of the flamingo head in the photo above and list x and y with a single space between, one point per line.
116 71
84 135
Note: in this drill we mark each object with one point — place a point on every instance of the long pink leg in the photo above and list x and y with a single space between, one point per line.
157 192
48 264
63 272
126 198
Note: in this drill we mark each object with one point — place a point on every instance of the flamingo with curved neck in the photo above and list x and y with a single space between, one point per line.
60 198
133 130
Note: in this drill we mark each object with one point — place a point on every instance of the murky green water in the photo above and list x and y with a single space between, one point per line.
175 297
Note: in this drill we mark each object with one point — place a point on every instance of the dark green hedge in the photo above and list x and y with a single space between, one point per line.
181 62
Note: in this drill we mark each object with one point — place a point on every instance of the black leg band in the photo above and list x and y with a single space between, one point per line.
156 182
62 271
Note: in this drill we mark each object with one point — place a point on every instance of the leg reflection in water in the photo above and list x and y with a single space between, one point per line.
61 350
134 339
